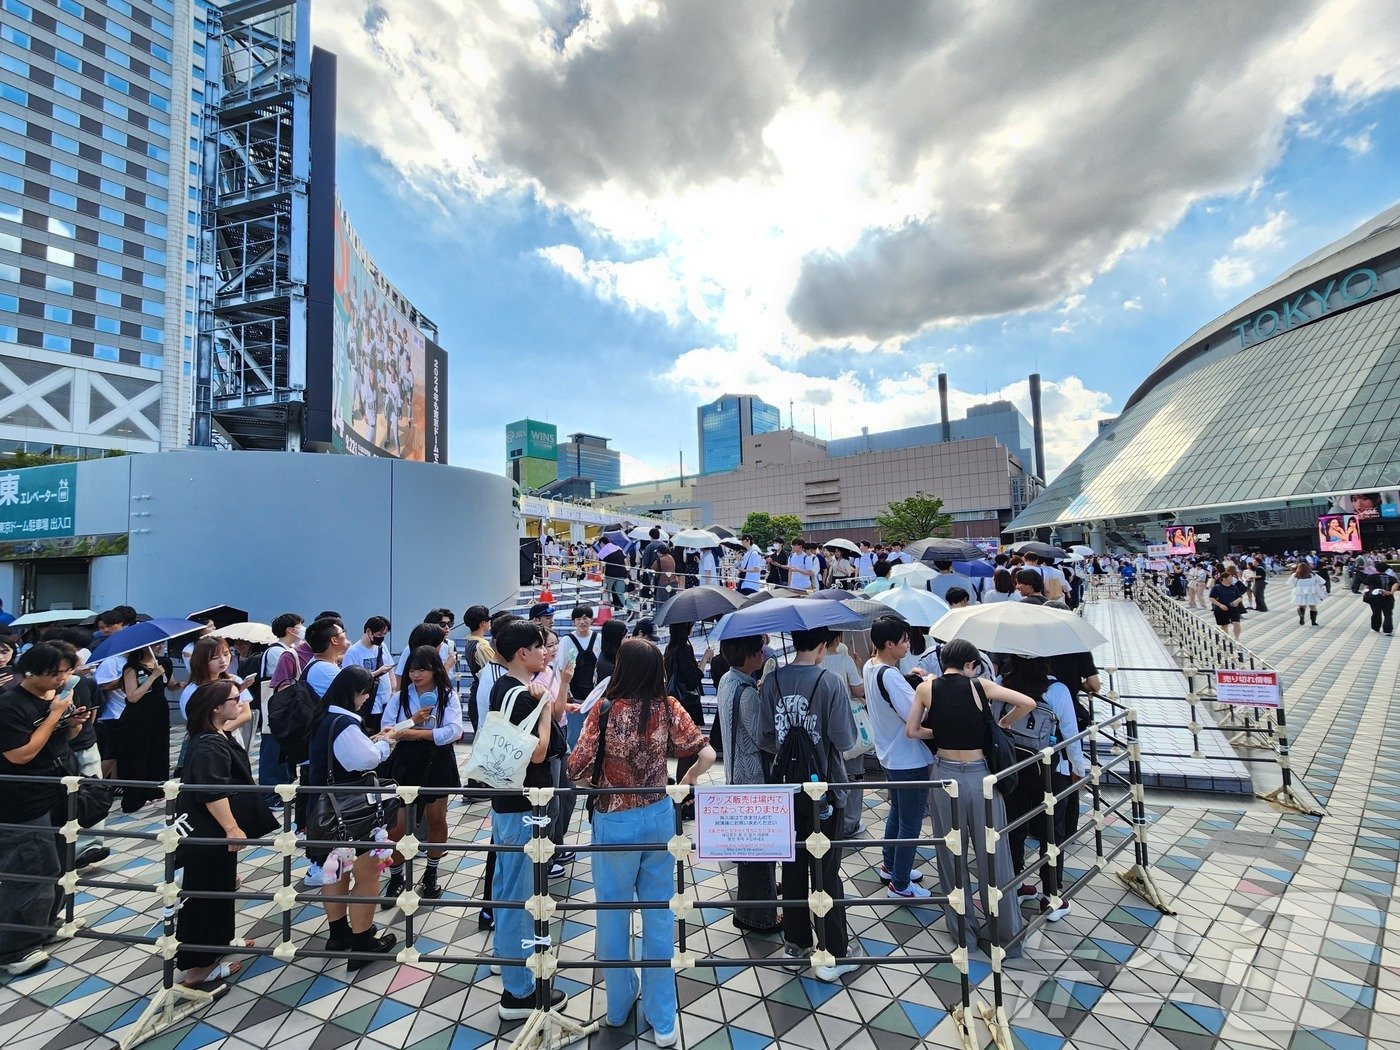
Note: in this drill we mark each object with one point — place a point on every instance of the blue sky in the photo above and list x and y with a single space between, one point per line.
604 250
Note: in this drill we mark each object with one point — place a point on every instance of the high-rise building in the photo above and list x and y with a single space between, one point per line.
588 456
532 453
101 113
723 424
995 419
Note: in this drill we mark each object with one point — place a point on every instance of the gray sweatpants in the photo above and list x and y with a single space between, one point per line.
972 822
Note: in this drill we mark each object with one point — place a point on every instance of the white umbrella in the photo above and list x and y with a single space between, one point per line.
1020 628
912 574
920 608
842 544
643 532
248 631
39 619
1080 550
697 538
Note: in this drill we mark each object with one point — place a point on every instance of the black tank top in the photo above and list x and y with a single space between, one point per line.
953 715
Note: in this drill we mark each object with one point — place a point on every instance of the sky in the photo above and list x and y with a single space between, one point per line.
616 210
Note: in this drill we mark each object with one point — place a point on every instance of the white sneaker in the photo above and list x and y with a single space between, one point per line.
835 973
915 874
671 1038
912 893
31 962
1053 914
314 877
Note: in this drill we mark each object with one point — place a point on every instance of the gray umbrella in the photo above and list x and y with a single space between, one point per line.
698 603
1040 550
943 549
721 531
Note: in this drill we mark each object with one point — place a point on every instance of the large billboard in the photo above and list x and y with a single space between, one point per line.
1338 533
388 379
1181 540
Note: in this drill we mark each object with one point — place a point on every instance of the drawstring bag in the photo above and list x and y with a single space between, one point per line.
502 750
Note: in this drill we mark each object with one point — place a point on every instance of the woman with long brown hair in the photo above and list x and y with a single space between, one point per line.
1308 590
627 740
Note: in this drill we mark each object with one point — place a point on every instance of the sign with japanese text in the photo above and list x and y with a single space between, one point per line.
1248 688
750 822
38 503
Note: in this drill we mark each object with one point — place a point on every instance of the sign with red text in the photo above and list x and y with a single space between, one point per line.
1248 688
745 822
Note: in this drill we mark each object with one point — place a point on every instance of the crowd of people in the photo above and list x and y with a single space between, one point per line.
606 705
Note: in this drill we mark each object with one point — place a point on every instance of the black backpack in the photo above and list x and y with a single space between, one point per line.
797 762
585 668
289 714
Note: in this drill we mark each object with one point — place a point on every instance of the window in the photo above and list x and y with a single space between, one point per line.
66 115
63 171
58 256
112 106
111 134
10 93
9 302
67 87
110 325
151 335
119 31
114 81
111 160
8 333
159 102
9 272
156 153
155 178
67 32
112 188
72 7
67 61
151 280
163 53
60 343
61 314
60 228
15 65
14 36
163 28
15 7
112 244
11 182
10 122
107 269
152 361
11 153
13 212
159 128
9 242
152 307
112 215
109 297
120 6
106 352
117 57
163 79
64 143
155 229
62 285
155 255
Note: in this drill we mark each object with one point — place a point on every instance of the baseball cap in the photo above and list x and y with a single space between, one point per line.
541 609
644 629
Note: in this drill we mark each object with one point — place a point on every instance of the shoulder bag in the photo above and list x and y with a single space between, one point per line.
353 816
502 750
995 745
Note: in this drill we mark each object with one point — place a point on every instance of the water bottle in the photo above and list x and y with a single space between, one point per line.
827 809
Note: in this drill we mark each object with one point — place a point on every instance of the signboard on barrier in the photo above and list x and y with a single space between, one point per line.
750 822
1248 688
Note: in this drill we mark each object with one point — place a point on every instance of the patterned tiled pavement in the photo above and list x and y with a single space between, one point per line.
1280 937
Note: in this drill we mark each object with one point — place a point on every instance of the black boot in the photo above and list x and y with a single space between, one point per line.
395 887
1313 614
428 887
369 941
1300 616
338 940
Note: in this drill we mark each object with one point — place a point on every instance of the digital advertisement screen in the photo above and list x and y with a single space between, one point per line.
388 381
1181 539
1338 533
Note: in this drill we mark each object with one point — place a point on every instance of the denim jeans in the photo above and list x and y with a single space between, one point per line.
89 765
271 769
512 882
575 728
629 876
905 821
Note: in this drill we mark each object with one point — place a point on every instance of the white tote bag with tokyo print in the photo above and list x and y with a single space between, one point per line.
502 750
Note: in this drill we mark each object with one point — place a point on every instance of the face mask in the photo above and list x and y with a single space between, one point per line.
299 631
377 639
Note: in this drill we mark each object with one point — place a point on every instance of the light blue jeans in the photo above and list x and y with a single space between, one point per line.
630 876
905 821
512 882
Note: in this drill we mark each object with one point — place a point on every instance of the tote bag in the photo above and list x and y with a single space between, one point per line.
502 750
865 733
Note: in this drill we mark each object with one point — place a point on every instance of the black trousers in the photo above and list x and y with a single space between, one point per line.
797 885
1383 614
202 921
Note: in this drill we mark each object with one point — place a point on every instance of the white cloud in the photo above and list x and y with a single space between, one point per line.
1249 249
1265 236
1359 144
1072 303
1230 271
1135 303
849 401
638 468
818 172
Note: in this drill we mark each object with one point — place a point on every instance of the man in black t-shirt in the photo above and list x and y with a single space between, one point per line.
521 646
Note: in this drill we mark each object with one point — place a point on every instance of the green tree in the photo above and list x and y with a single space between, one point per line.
765 527
915 518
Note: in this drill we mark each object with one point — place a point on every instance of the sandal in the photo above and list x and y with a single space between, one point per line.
222 972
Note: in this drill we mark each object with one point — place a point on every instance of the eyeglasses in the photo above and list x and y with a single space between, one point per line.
444 623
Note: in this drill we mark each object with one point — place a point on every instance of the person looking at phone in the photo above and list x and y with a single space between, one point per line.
37 719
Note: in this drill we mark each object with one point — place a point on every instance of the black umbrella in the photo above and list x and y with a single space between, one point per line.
698 603
1044 551
943 549
721 531
222 615
756 597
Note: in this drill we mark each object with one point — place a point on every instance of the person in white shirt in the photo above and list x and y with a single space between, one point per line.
865 563
750 567
709 568
889 699
272 768
803 568
897 555
108 677
947 579
371 653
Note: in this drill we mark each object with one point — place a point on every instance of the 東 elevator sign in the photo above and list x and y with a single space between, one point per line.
38 503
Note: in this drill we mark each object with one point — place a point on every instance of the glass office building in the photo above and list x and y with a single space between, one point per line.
1289 400
101 111
588 456
724 423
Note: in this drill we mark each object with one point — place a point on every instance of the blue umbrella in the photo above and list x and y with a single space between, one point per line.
140 635
782 615
975 569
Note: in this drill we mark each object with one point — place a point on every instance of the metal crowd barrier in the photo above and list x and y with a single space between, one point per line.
175 1002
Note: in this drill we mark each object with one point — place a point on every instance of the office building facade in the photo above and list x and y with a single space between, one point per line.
101 115
588 456
996 419
532 453
723 424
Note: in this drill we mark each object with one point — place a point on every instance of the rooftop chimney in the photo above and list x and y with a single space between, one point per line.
947 430
1038 426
